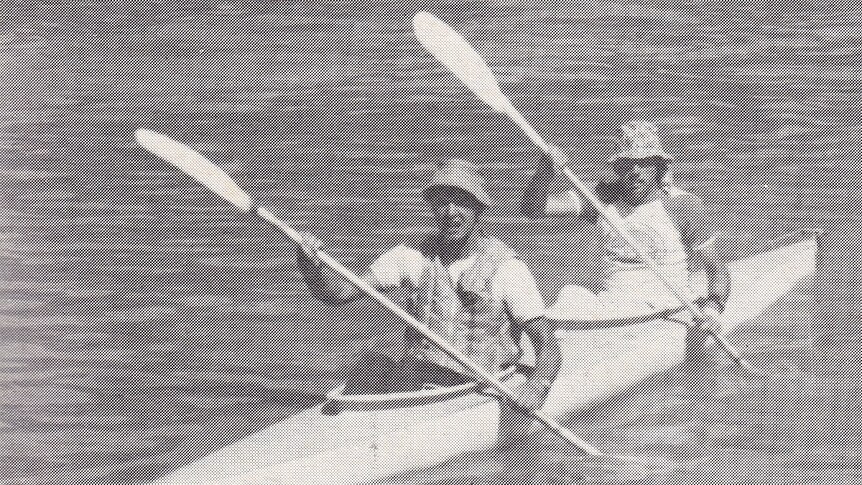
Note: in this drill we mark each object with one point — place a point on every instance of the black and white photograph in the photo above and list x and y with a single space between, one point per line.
443 243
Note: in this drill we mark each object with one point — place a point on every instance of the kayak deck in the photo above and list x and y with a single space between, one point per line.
358 446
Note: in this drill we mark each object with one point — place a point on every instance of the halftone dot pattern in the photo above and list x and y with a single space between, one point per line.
145 323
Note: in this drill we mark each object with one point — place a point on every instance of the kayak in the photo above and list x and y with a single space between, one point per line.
378 437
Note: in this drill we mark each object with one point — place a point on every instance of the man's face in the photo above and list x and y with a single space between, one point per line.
638 179
455 211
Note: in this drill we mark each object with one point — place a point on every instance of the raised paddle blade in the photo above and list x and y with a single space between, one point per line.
195 165
467 65
458 56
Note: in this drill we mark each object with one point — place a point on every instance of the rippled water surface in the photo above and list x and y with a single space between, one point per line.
143 322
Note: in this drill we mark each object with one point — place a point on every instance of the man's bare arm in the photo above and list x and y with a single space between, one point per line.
532 393
323 282
718 277
538 201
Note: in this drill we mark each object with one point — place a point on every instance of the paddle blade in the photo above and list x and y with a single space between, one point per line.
195 165
458 56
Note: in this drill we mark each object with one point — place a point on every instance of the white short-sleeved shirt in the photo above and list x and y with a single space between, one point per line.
668 229
512 283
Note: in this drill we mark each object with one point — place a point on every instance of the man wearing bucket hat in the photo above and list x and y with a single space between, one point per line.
467 287
670 225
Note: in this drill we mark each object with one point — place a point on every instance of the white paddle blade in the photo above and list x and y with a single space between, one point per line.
459 57
195 165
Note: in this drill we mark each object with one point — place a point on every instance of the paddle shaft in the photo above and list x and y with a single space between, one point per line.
429 334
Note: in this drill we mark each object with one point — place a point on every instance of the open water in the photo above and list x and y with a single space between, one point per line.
144 323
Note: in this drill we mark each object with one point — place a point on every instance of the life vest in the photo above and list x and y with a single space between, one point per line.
465 312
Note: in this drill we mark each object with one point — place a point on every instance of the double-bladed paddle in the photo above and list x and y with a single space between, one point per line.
215 179
454 52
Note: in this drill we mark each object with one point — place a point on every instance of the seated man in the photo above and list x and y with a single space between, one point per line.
471 289
670 225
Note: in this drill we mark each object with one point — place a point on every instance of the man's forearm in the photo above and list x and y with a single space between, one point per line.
719 284
548 355
326 285
535 199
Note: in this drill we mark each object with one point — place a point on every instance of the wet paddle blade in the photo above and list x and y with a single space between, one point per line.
195 165
458 56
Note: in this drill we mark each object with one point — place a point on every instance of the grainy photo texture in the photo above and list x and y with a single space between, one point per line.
494 242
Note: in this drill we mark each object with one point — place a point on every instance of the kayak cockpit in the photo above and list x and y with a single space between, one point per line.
430 393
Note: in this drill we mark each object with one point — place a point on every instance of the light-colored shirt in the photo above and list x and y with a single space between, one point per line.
512 283
669 229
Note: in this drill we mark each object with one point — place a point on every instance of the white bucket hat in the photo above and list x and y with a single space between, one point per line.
462 175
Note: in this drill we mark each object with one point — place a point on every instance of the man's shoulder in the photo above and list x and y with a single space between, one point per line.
681 202
400 254
690 216
675 193
397 266
515 284
497 248
513 266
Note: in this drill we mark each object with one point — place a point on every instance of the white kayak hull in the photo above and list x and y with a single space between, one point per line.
362 446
